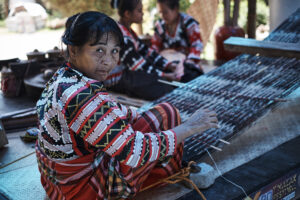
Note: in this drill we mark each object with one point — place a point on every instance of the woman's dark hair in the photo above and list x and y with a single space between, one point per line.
124 5
89 27
172 4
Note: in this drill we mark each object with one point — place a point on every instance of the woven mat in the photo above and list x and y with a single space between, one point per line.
21 180
205 12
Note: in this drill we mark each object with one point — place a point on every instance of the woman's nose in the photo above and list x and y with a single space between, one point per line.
107 60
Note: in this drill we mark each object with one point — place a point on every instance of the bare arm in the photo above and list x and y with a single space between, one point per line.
199 122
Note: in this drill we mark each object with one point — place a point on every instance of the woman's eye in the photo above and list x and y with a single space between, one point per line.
100 50
114 51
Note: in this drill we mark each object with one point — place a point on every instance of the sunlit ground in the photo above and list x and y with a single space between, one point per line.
17 45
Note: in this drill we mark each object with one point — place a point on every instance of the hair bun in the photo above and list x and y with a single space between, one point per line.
114 4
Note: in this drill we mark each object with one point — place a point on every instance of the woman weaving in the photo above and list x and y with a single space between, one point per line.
90 146
180 32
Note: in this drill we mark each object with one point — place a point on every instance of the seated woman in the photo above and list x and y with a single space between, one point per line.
140 66
90 146
180 32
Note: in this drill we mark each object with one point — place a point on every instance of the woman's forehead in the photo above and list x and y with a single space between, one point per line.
108 37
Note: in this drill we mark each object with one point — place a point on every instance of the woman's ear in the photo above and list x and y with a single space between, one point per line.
127 14
72 51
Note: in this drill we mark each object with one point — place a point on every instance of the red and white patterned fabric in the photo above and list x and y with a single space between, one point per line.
135 55
186 39
91 147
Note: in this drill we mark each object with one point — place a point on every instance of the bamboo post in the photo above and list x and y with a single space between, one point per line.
251 26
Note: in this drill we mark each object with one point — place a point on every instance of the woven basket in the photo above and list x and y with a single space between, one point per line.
205 12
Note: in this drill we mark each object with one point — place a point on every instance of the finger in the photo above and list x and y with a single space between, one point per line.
214 119
213 125
206 110
212 114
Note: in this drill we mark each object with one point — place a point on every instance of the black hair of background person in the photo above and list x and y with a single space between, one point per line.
124 5
90 27
172 4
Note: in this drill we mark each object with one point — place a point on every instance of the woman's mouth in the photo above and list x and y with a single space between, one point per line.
103 72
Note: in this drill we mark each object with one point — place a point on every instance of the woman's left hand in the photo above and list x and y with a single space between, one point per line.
170 76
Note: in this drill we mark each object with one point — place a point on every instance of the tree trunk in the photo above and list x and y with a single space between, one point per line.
227 20
251 26
6 8
41 3
236 10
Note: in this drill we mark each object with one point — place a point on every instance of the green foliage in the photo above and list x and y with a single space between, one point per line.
2 23
70 7
1 9
184 5
262 13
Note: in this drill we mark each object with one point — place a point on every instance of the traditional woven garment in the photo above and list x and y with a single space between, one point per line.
91 147
186 39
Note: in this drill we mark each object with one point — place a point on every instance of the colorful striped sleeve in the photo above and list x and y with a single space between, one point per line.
135 60
130 113
194 37
158 60
101 123
156 40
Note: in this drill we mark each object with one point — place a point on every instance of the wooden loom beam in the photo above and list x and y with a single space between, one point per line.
264 48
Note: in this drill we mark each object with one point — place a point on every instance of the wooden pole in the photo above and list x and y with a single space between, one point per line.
227 21
251 26
236 10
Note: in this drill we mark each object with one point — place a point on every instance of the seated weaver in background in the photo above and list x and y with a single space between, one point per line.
140 67
180 32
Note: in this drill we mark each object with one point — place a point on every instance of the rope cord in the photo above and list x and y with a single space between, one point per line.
10 163
229 181
182 175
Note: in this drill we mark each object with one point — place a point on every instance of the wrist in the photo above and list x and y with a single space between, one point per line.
168 65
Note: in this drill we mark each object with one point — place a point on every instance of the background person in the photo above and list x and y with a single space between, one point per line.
140 66
180 32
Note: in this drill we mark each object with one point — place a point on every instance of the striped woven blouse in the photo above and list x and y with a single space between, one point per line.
135 55
77 116
186 39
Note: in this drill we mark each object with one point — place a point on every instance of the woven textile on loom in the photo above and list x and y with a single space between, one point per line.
240 91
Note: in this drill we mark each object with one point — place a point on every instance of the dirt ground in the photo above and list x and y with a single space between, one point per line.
14 45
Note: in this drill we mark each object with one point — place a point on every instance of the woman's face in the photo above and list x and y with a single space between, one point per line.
97 60
137 14
167 14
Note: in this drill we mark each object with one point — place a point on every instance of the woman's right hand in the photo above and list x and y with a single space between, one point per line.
202 120
199 122
171 76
